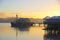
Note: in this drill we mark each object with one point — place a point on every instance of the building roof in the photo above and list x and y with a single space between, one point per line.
53 19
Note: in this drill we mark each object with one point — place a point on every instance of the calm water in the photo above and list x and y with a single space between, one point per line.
32 33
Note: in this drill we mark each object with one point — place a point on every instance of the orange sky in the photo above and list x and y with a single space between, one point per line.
54 11
30 9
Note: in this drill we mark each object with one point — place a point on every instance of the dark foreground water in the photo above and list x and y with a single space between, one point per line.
32 33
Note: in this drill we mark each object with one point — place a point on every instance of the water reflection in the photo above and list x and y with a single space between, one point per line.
22 28
24 33
52 35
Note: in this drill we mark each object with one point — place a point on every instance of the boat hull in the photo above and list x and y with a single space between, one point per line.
13 24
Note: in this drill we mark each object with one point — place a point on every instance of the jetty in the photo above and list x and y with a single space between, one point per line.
53 23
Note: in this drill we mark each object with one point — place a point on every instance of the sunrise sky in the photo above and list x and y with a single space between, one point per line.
29 8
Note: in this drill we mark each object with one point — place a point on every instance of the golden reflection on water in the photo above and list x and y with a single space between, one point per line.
36 30
7 30
32 33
